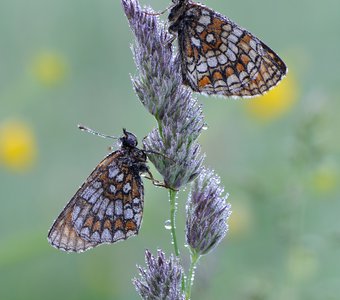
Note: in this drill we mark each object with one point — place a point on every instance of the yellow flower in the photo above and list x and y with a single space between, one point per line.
240 221
17 146
276 102
49 68
325 179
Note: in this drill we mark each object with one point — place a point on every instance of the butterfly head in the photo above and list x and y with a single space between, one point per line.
128 140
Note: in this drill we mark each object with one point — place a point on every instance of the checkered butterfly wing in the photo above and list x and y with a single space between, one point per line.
219 57
62 234
107 208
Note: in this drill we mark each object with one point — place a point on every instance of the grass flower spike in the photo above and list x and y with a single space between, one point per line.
161 279
207 213
159 88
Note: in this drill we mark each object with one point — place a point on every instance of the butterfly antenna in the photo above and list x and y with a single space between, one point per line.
159 13
84 128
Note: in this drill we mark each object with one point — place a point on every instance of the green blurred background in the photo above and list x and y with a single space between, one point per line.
68 62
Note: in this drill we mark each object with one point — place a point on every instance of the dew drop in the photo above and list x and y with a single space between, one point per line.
167 224
205 126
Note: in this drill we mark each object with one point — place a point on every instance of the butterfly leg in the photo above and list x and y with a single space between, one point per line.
157 182
158 153
170 40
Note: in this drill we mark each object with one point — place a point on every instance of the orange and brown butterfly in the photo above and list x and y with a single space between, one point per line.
218 56
108 207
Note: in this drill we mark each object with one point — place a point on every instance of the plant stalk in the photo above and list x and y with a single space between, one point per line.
173 208
190 280
173 220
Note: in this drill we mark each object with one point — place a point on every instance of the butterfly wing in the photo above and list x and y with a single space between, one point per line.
107 208
219 57
62 234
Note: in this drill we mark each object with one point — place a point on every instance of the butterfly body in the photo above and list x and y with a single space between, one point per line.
108 207
219 57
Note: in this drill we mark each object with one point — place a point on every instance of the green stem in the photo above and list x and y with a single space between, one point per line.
173 227
173 220
190 280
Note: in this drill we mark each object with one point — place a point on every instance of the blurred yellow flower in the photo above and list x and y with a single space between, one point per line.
276 102
18 148
240 220
49 68
325 179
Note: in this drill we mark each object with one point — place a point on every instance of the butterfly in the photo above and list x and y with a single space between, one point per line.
218 56
108 207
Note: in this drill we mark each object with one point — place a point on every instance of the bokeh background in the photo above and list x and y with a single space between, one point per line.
68 62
